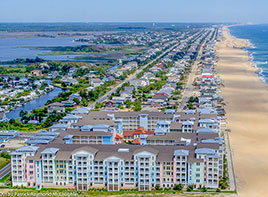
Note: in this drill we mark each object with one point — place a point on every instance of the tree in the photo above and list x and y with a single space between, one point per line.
84 102
178 187
63 84
65 68
223 184
23 113
120 107
99 105
157 187
5 155
190 188
76 100
204 189
128 103
83 93
11 121
30 68
193 99
43 85
137 105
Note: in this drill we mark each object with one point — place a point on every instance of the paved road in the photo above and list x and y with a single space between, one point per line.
5 170
189 86
230 167
131 77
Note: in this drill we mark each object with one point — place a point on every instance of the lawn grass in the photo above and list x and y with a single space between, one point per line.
3 162
104 192
17 126
6 178
57 192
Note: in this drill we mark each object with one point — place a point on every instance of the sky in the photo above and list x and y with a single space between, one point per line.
239 11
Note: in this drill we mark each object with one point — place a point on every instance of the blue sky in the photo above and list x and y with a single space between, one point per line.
134 11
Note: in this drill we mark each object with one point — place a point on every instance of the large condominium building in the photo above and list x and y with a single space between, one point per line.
188 121
197 160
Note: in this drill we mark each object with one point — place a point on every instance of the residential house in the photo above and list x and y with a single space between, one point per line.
95 82
3 117
58 107
36 73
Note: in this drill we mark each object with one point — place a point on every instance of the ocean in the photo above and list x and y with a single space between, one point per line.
258 36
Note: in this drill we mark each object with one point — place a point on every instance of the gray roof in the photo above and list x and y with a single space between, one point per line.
205 151
45 133
66 137
56 126
207 111
24 149
181 152
81 110
212 141
206 130
50 151
100 126
36 141
71 117
27 148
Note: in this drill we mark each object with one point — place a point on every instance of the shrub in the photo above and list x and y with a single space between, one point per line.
5 155
204 189
157 187
190 188
178 187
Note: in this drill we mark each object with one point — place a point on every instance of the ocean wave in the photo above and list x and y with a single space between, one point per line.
251 56
261 63
252 46
261 75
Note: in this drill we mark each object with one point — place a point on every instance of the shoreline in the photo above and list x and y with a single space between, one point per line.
246 98
249 45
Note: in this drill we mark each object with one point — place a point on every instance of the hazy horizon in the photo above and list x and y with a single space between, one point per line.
102 11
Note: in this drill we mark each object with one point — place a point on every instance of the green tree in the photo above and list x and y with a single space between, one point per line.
157 187
63 84
190 188
5 155
84 102
223 184
178 187
23 113
43 85
11 121
137 105
76 100
128 103
120 107
204 189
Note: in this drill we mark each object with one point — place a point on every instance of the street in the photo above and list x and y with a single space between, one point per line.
5 170
189 86
131 77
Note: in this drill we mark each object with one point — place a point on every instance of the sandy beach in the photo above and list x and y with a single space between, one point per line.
246 98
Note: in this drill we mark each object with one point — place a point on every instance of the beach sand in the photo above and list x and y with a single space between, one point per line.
246 98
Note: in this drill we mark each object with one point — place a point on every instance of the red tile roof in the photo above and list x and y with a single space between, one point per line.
136 141
128 133
118 136
139 131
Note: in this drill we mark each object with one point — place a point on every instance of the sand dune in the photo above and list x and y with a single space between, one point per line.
246 99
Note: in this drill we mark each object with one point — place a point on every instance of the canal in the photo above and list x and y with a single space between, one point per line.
34 104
